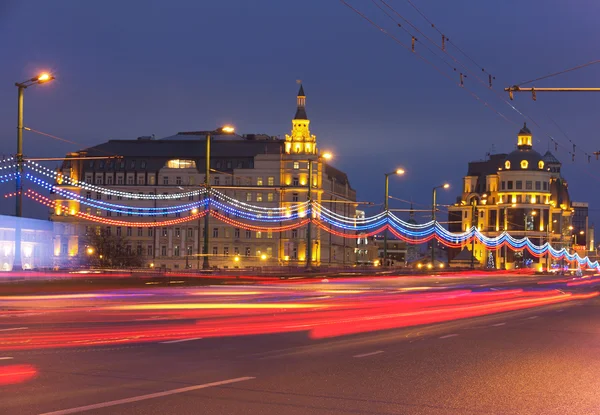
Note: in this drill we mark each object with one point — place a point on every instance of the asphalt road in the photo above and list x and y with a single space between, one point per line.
541 360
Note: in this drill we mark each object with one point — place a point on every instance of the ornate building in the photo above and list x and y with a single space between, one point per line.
255 169
521 192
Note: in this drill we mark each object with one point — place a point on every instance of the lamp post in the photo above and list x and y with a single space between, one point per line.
433 209
324 156
474 222
21 86
225 130
399 172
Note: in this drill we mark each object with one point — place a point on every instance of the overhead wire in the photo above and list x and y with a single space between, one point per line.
570 151
560 72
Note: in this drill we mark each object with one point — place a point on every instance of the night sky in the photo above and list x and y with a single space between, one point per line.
131 68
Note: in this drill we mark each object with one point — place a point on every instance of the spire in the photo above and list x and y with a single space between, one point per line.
524 141
301 110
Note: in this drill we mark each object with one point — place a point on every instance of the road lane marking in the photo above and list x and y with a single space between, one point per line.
448 336
15 328
368 354
559 311
531 318
6 358
149 396
498 324
182 340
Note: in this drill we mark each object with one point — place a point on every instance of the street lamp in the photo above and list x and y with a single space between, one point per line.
224 130
399 172
324 156
433 209
89 250
40 79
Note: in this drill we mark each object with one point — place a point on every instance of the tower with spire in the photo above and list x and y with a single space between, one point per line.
300 140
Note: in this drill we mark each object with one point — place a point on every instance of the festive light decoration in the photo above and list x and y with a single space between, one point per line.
54 205
137 211
88 186
221 206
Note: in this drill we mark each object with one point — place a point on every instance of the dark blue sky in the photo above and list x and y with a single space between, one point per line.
131 68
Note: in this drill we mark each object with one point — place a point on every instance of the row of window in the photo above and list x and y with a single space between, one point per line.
529 185
189 232
171 164
249 195
131 180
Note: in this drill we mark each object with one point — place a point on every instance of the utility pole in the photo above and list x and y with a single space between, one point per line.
534 91
473 225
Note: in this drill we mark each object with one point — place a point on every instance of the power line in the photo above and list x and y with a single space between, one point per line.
445 38
64 140
560 72
381 29
499 96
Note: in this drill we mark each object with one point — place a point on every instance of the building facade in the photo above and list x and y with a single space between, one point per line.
255 169
521 192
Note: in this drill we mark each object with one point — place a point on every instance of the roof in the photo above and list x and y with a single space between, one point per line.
532 157
301 91
487 167
549 158
301 114
340 177
186 148
525 130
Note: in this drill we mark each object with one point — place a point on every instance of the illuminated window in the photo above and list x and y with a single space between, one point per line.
270 181
259 197
524 164
259 181
181 164
270 197
507 165
541 165
258 235
296 165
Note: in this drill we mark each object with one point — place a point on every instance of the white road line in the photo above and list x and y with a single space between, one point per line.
531 318
368 354
498 324
182 340
144 397
15 328
448 335
6 358
559 311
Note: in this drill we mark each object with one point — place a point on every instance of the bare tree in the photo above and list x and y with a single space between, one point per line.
105 250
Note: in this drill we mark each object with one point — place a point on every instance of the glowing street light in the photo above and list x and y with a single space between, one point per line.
399 172
324 156
227 130
40 79
89 250
263 257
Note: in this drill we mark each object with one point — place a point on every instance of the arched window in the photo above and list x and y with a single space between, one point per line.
524 164
541 165
507 165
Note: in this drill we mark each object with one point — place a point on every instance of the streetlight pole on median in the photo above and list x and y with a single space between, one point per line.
309 250
433 210
399 172
227 130
40 79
